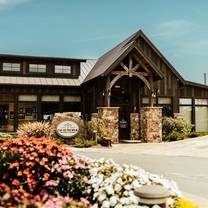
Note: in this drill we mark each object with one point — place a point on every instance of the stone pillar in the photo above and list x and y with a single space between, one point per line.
110 116
151 124
134 120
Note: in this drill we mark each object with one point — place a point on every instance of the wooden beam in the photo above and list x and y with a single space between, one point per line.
117 78
124 66
144 80
135 68
142 64
145 74
116 72
130 63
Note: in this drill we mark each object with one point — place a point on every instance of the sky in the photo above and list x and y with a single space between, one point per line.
89 28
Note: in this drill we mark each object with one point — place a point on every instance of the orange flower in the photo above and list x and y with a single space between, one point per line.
42 162
45 176
19 173
26 172
15 182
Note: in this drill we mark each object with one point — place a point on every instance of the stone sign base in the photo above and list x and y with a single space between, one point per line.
110 116
59 117
151 124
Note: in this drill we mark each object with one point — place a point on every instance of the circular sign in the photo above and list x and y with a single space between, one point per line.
67 129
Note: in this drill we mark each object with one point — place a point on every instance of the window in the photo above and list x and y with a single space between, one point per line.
14 67
40 68
28 98
62 69
50 98
185 109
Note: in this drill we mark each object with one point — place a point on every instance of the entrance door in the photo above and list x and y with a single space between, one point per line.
124 122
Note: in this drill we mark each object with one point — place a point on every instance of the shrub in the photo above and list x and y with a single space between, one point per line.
4 137
175 136
81 143
174 128
112 184
197 134
183 203
26 162
38 169
35 129
97 125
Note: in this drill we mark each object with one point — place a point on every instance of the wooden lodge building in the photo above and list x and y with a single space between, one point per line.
131 75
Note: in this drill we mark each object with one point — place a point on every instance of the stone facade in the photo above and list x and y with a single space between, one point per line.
134 120
110 116
58 117
151 124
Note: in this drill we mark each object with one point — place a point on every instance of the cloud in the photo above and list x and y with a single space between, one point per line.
171 29
4 4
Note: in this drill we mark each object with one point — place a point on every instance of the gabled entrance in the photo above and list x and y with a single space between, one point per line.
123 88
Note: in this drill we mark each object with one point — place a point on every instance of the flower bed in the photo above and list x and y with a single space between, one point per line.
40 173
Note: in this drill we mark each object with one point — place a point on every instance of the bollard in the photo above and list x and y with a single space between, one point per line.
150 195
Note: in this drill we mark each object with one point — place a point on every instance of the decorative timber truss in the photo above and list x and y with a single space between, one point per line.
131 69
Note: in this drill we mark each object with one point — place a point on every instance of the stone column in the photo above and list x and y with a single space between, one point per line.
134 120
151 124
110 116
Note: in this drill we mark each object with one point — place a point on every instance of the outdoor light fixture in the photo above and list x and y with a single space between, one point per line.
117 86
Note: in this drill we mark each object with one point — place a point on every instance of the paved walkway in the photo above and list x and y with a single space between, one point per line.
185 161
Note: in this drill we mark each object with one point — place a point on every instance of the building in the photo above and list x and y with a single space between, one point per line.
131 75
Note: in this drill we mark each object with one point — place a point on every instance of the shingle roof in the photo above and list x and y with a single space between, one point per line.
85 68
105 61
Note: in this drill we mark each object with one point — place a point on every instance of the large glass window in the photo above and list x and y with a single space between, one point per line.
12 67
186 112
201 114
40 68
201 118
27 108
50 105
185 109
72 103
62 69
6 112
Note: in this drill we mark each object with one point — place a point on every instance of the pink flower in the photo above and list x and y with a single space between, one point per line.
52 183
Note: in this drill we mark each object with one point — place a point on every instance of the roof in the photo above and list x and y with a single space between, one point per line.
108 59
42 58
196 84
85 68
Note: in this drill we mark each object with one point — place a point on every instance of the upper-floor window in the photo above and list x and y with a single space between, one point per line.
12 67
63 69
40 68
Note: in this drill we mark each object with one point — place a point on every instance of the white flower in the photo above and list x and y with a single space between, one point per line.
117 187
109 190
102 197
118 206
106 204
127 187
113 201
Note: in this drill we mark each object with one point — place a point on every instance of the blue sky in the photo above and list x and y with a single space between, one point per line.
88 28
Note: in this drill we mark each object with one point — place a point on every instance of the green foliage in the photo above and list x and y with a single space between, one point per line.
4 137
175 129
57 139
82 143
175 136
197 134
98 126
